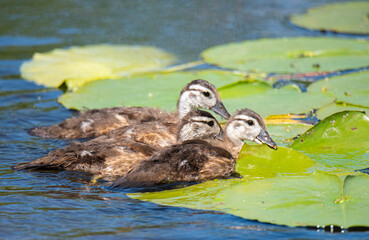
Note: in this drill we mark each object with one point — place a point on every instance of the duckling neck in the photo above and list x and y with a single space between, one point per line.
185 104
235 145
232 136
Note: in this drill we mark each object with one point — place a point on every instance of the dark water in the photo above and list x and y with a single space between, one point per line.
64 204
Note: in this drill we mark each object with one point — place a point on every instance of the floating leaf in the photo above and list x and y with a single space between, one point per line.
317 200
350 17
340 132
82 64
267 101
155 90
255 162
350 88
290 55
338 143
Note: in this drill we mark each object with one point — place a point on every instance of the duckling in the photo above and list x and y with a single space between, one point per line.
199 160
92 123
109 160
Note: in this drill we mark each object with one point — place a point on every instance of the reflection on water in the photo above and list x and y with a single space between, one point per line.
65 204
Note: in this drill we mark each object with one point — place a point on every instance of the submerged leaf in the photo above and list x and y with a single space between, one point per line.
350 17
256 162
290 55
153 90
79 65
317 200
283 134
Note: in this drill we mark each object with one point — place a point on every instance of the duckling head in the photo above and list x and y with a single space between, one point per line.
198 124
246 124
200 94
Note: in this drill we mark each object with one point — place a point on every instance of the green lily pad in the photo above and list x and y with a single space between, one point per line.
339 143
266 100
154 90
290 55
318 200
341 132
350 88
79 65
256 162
350 17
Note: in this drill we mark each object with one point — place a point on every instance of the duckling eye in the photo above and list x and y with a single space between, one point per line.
250 122
211 123
206 94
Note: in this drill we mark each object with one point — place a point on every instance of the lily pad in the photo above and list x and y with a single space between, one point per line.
340 132
154 90
318 200
350 17
339 143
351 88
266 100
256 162
79 65
290 55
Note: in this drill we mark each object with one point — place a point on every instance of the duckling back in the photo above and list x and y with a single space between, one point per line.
106 160
93 123
191 161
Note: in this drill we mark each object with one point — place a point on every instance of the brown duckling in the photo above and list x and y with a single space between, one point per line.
109 160
92 123
199 160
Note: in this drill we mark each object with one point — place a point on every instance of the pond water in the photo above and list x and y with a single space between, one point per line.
64 204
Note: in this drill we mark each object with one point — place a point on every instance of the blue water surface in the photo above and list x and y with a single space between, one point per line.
48 204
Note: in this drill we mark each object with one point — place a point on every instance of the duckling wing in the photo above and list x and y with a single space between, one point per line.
93 123
185 162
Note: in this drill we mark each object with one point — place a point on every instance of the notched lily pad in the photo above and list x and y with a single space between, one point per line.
317 200
256 162
350 17
290 55
79 65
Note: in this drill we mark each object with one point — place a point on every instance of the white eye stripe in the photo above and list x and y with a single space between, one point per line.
200 88
244 118
202 119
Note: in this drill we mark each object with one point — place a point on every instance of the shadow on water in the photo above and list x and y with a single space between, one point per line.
51 204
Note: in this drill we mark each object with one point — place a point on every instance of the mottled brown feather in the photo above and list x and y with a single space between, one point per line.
106 160
93 123
187 162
